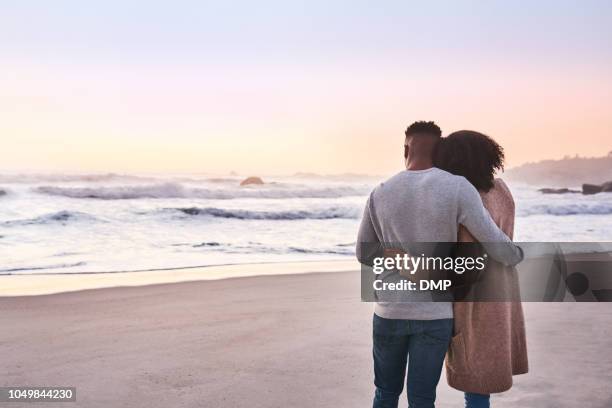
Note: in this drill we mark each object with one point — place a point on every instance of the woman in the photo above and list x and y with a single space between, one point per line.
489 345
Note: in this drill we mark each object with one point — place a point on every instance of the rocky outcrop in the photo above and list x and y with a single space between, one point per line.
594 188
557 191
591 189
2 192
587 189
251 181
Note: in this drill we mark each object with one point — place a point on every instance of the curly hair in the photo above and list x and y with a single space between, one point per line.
423 127
472 155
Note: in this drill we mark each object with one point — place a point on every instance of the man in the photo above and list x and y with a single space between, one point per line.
420 204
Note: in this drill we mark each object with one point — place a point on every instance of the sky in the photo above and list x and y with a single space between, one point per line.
275 87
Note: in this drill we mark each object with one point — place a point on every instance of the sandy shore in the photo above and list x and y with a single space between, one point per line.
271 341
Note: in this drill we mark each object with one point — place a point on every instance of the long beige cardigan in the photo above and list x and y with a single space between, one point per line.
489 344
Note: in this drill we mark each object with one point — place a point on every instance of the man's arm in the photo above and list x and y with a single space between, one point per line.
368 243
476 218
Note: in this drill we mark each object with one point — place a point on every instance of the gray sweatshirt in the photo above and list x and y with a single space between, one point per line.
427 206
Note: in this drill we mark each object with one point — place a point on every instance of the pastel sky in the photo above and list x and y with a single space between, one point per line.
282 86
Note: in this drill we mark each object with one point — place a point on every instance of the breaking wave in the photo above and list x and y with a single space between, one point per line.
567 209
176 190
324 214
60 217
338 250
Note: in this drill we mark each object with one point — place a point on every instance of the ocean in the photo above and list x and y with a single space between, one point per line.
113 223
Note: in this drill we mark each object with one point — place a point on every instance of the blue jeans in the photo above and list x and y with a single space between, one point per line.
476 400
420 343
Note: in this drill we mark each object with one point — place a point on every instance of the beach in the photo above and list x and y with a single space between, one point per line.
188 189
301 340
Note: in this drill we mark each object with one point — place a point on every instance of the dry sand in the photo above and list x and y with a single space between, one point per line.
271 341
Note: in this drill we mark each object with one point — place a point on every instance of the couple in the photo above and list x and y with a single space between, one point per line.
447 193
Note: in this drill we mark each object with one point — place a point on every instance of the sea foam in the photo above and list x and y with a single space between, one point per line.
177 190
323 214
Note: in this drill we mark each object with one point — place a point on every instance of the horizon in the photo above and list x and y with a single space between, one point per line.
233 173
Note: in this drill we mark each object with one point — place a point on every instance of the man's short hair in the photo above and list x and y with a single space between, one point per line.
424 128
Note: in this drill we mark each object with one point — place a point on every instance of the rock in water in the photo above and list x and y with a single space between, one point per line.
607 187
591 189
557 191
2 192
251 180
